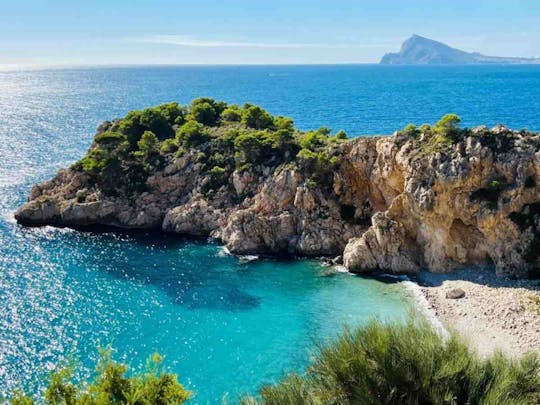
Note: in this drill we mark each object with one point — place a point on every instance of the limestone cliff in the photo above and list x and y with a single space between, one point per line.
416 199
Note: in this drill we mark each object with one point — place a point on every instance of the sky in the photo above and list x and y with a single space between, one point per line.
77 32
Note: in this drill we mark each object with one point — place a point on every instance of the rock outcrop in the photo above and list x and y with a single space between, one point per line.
418 50
391 204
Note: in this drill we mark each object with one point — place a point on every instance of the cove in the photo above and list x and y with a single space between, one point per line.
223 325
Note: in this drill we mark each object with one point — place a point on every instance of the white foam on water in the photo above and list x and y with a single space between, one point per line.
9 216
339 268
425 308
248 258
223 252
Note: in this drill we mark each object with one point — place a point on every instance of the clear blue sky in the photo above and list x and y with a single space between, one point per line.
240 31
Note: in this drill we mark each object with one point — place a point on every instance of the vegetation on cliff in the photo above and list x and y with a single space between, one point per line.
225 138
262 186
375 364
430 139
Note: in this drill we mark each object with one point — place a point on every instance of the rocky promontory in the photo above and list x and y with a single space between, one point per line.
438 197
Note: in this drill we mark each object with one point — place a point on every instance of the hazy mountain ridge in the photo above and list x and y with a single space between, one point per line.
418 50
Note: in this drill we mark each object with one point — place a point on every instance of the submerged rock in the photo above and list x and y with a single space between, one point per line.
396 204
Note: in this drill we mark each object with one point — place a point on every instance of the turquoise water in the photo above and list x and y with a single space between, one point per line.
224 326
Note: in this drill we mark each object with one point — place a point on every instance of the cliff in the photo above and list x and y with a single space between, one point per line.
435 197
418 50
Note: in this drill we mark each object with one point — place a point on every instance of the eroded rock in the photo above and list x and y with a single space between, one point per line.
390 205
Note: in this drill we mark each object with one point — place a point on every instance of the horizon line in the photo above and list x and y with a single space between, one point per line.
24 67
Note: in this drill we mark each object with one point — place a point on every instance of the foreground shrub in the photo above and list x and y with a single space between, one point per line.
111 386
406 364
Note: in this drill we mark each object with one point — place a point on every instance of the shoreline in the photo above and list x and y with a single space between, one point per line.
496 314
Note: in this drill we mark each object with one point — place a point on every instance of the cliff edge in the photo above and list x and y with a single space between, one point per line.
437 197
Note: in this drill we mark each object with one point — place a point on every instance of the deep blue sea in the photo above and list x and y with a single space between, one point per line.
223 325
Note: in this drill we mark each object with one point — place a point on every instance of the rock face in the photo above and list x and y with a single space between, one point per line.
418 50
391 205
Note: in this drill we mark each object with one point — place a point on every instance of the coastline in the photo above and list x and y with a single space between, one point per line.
496 314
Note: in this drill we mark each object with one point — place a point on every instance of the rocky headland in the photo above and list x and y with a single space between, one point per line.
418 50
432 197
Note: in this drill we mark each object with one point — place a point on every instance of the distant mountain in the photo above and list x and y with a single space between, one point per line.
418 50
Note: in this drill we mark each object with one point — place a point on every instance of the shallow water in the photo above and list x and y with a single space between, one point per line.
224 326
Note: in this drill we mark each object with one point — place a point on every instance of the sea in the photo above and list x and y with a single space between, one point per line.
226 325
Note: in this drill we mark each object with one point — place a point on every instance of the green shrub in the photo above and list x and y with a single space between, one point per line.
169 146
149 143
201 157
149 148
173 113
96 161
232 113
448 122
251 146
341 135
447 127
192 134
218 177
406 364
110 138
218 159
319 165
206 110
313 140
255 117
324 131
111 386
150 119
204 113
285 123
230 135
410 131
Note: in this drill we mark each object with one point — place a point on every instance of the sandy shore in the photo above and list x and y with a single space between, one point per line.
495 313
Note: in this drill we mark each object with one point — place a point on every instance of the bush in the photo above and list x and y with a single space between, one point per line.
149 143
341 135
447 127
318 164
406 364
448 122
96 161
218 177
110 138
173 113
151 119
192 134
112 386
149 150
204 113
285 123
232 113
410 131
206 110
251 146
313 140
255 117
169 146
